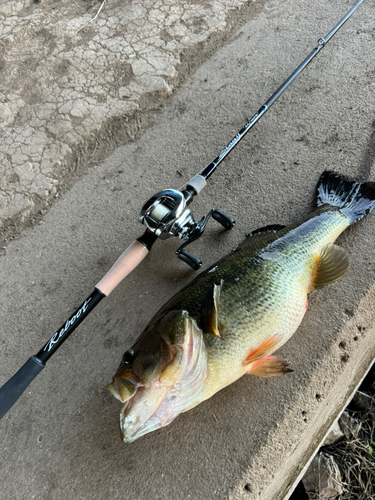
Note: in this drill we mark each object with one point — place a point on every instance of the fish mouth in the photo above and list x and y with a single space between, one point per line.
157 401
149 409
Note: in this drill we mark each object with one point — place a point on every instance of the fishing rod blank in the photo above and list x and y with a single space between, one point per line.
166 213
211 167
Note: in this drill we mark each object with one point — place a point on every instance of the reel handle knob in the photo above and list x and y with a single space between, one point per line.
189 259
223 219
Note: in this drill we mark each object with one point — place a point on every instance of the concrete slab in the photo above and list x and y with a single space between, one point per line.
251 440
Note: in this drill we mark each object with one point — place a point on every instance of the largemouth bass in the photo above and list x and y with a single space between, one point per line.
230 320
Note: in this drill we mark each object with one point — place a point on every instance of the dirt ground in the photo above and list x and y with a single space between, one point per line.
59 115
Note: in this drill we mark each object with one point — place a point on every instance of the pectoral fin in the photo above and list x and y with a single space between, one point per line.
331 265
265 348
209 318
270 366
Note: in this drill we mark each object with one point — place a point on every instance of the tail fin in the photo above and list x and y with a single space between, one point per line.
355 199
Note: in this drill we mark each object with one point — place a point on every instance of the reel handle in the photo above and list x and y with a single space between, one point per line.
223 219
197 231
189 259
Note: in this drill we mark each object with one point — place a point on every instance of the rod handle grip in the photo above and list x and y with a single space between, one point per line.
125 264
13 389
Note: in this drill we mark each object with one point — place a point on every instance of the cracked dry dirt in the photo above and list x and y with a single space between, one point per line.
59 83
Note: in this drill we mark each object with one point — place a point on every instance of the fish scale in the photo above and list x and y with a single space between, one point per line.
234 316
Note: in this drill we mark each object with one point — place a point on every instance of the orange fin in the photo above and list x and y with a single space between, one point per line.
331 265
268 345
270 366
209 319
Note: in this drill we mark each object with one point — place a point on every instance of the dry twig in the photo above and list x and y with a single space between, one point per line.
93 19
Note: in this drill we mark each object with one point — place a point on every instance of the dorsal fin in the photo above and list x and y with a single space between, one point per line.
267 232
331 265
209 316
272 228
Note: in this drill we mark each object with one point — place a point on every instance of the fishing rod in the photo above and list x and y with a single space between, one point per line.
165 214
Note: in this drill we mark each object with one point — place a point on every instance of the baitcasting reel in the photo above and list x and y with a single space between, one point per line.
167 214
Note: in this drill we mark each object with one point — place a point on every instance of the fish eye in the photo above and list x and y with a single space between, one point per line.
128 356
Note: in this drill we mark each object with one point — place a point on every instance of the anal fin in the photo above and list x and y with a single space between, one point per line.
331 265
270 366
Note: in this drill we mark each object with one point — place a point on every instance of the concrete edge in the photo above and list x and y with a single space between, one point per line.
307 465
355 364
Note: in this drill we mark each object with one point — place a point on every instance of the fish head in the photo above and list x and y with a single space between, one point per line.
161 376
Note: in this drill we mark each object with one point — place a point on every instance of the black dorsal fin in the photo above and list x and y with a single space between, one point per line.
272 228
267 231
